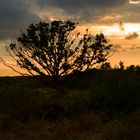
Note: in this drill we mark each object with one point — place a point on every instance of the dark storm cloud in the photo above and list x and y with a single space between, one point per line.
18 14
14 16
85 10
93 11
70 5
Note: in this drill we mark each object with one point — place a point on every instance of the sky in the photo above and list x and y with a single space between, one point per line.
119 20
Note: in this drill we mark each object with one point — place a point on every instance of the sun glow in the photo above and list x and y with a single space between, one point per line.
134 1
116 30
128 27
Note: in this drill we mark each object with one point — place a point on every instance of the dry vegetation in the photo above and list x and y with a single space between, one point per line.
99 105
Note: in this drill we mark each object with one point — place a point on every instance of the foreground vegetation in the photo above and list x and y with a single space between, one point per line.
94 105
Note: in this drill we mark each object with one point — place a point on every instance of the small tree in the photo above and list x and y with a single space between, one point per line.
53 49
121 65
130 68
133 68
105 66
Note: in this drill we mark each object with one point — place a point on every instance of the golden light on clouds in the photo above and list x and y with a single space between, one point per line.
134 1
115 29
114 17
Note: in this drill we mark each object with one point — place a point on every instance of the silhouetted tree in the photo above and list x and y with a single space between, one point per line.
133 68
54 49
121 65
105 66
137 68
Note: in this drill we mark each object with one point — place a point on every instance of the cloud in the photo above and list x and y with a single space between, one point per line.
70 5
92 11
134 1
82 10
135 47
131 36
14 16
116 48
18 14
121 26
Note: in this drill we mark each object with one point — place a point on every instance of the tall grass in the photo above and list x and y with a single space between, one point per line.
100 105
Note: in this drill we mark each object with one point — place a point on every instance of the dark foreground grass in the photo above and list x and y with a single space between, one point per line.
97 105
85 126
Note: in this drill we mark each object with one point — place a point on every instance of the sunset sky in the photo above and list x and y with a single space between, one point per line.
119 20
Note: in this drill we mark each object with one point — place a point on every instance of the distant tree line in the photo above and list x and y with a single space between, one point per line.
120 66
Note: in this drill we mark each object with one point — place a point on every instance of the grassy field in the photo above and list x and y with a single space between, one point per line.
97 105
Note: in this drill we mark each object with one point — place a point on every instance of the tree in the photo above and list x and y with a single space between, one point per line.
105 66
133 68
121 65
53 49
130 68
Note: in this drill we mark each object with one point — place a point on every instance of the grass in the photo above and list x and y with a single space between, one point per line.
97 105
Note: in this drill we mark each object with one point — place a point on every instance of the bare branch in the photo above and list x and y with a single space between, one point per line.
3 62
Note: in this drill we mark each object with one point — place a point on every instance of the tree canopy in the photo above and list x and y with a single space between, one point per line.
56 49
